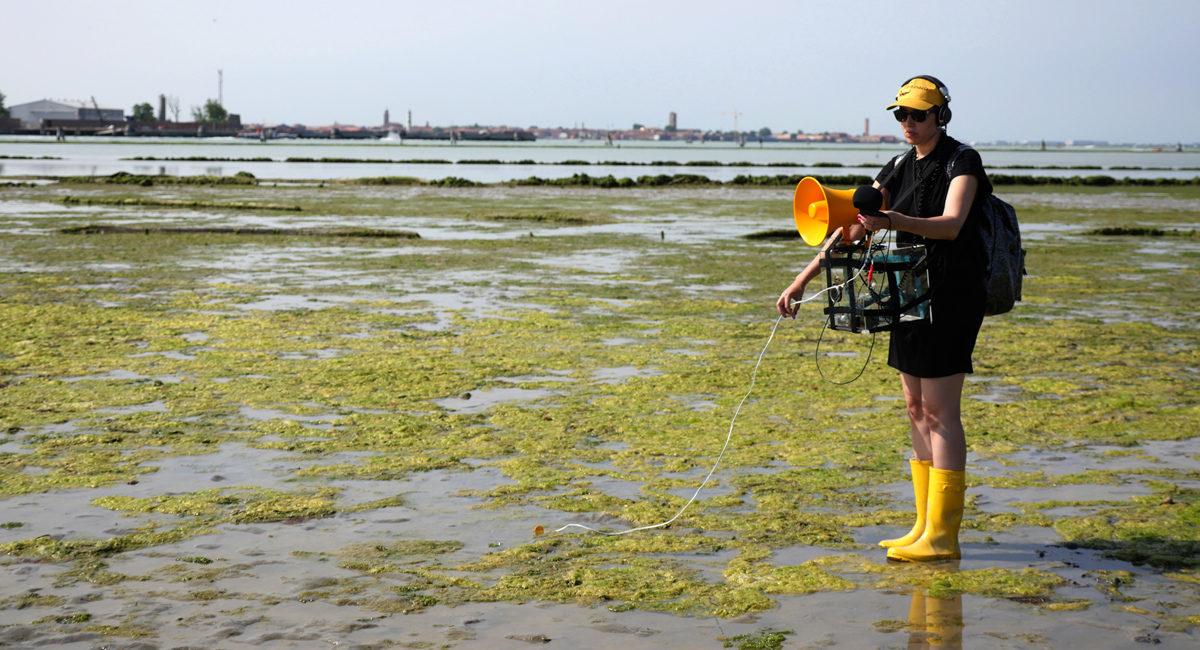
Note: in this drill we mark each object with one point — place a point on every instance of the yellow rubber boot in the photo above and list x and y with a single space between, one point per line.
942 519
920 481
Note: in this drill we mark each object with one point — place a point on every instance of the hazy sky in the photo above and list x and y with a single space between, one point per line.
1122 71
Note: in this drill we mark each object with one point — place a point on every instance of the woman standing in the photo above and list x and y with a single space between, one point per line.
935 191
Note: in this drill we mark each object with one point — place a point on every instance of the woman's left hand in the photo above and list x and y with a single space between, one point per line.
877 223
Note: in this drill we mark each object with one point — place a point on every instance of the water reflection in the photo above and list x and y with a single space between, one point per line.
935 622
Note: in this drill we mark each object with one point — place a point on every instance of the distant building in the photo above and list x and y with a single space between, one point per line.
31 114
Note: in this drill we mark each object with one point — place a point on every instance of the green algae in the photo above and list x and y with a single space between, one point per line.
53 550
1027 585
1006 520
233 505
806 578
82 617
1110 583
200 513
188 574
764 639
945 579
137 201
549 217
124 630
1163 533
32 600
146 180
103 377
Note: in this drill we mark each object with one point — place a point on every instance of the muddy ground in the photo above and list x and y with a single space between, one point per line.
223 440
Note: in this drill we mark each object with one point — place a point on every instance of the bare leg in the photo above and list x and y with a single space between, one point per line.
941 400
934 406
918 429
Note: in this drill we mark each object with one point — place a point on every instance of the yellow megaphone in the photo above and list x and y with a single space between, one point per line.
819 211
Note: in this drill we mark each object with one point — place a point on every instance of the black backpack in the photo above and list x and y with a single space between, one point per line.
1001 236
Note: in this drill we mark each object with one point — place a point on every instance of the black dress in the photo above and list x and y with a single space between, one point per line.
942 347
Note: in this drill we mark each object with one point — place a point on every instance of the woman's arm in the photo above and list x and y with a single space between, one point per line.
795 291
945 226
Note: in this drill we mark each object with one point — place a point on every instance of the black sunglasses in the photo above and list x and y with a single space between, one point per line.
918 116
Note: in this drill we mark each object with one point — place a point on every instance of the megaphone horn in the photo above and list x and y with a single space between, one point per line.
819 211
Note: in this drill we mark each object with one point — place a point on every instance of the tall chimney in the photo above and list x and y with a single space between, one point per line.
866 127
162 108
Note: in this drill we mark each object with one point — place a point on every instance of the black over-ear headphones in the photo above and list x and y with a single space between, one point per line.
943 111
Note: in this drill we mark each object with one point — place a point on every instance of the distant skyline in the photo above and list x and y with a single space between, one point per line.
1017 70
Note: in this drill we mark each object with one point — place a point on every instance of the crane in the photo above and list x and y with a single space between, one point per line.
97 107
735 113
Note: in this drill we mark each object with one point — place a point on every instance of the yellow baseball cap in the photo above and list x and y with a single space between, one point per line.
918 94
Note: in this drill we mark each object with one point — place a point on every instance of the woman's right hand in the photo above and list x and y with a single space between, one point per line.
788 303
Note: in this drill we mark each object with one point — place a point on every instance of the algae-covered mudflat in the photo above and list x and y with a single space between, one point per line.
223 426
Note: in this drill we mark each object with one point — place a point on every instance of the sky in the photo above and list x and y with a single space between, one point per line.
1017 70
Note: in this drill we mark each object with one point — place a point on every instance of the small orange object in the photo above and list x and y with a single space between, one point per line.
538 530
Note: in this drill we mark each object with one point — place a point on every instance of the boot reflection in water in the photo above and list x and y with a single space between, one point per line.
916 622
935 622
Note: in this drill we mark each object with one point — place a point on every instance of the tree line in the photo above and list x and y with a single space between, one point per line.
212 112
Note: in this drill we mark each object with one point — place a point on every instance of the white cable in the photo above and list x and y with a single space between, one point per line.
729 436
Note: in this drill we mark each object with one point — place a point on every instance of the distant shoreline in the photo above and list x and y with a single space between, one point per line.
1164 148
607 181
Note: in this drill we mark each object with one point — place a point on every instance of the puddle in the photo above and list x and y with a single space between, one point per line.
289 303
628 490
537 379
702 403
169 354
117 374
619 340
1002 499
995 392
620 374
478 401
594 261
157 406
258 414
709 289
71 515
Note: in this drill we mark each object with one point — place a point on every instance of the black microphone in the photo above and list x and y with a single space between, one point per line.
868 200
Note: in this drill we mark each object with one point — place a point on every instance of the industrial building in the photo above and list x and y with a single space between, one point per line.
31 114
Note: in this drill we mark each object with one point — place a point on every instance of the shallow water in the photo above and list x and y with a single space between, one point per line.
92 156
620 299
